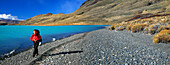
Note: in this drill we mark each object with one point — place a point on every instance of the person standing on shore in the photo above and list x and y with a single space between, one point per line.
36 38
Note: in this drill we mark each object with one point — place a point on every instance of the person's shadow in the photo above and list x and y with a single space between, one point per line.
70 52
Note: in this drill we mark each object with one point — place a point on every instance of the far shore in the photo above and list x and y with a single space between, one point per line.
61 24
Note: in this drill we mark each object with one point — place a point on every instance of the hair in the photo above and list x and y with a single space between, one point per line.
38 32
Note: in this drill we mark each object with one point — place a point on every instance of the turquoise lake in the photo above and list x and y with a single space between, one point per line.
17 38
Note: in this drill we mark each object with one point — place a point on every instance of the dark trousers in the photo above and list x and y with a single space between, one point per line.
35 48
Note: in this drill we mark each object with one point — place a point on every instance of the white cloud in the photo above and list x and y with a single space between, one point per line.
8 16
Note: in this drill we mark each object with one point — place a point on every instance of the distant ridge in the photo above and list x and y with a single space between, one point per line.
9 21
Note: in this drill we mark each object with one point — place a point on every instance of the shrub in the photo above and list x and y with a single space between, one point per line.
163 28
163 36
116 25
155 28
128 28
160 28
138 27
111 27
146 30
167 27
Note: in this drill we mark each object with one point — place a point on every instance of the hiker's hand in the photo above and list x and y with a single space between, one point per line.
35 40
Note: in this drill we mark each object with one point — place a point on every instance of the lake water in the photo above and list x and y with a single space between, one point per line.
14 39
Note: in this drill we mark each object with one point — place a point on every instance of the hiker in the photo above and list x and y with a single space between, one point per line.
36 38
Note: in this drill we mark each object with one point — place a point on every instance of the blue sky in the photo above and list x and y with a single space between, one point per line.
25 9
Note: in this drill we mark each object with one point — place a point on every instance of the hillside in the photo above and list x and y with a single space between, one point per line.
103 12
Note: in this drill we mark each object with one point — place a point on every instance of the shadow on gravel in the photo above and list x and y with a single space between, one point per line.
70 52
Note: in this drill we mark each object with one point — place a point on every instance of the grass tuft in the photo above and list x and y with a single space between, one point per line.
138 27
156 24
163 36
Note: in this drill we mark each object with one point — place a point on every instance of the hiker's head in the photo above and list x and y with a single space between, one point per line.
35 31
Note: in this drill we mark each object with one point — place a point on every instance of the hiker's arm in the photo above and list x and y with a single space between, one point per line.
31 38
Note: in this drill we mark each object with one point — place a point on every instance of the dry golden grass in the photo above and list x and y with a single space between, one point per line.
138 27
128 28
163 36
119 27
154 28
164 31
113 27
161 28
151 25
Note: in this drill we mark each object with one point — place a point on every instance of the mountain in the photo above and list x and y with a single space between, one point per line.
9 21
103 12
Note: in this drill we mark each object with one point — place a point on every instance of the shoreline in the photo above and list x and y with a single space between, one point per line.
13 57
11 53
103 45
8 55
19 52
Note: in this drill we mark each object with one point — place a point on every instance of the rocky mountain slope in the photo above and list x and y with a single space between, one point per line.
103 12
9 22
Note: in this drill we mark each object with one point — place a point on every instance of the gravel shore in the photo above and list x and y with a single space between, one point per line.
101 47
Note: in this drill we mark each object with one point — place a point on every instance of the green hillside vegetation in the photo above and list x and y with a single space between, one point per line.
96 12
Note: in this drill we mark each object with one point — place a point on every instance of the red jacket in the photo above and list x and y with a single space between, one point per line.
35 37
